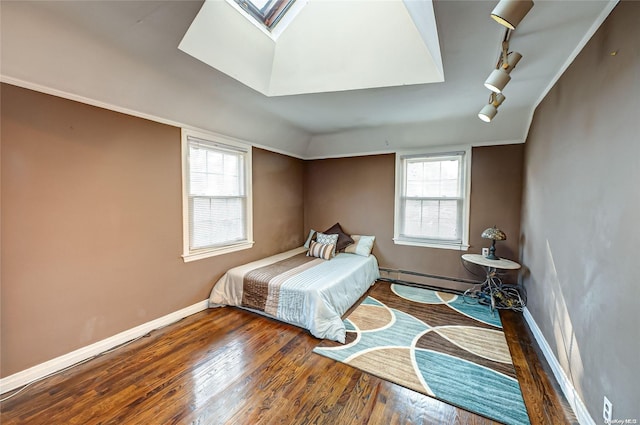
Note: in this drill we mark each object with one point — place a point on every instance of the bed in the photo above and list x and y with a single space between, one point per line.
308 292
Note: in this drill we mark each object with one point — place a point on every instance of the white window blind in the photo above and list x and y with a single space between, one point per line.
217 195
431 206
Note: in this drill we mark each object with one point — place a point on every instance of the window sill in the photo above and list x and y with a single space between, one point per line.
456 247
206 253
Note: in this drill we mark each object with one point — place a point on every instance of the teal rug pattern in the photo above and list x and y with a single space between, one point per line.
437 344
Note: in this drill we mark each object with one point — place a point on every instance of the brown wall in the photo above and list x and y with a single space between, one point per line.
92 225
92 220
581 206
359 193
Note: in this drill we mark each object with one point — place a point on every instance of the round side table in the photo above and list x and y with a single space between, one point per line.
492 287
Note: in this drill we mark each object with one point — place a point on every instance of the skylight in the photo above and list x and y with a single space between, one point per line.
267 12
299 55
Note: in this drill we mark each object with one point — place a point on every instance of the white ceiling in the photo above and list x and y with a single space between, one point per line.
124 55
356 52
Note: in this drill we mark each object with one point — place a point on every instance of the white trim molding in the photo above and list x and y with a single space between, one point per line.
42 370
464 152
115 108
216 143
567 387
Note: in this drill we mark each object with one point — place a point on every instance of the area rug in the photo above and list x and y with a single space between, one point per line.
436 343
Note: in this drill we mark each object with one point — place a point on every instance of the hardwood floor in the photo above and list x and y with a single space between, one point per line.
228 366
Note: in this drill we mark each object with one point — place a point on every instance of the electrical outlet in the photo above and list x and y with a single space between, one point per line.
607 410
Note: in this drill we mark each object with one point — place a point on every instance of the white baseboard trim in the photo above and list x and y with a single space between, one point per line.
567 387
43 369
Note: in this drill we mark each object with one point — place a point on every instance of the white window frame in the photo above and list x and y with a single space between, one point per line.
399 191
221 141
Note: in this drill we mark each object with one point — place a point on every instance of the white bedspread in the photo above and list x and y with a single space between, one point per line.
315 298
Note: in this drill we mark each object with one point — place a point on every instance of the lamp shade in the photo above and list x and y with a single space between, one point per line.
490 110
494 233
487 113
510 12
497 80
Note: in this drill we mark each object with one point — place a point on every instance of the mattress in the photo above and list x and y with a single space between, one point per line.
304 291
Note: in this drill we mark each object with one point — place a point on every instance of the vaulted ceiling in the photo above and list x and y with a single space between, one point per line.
124 55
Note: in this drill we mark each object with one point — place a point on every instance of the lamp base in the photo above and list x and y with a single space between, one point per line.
492 251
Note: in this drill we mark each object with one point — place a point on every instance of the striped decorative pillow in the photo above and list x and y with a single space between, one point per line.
320 250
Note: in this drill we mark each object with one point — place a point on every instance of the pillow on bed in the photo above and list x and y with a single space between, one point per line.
344 240
311 236
362 245
327 240
320 250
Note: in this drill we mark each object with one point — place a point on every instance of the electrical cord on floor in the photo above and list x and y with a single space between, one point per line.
511 297
498 296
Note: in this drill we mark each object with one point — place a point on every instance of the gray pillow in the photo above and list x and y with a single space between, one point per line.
327 240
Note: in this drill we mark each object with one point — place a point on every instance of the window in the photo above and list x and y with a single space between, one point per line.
216 195
432 199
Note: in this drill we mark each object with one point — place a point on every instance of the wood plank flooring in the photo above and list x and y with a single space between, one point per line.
228 366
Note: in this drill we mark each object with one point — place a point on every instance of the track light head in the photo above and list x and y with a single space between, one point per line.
487 113
499 77
510 12
490 110
497 80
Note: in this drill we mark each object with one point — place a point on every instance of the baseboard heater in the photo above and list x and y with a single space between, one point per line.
424 280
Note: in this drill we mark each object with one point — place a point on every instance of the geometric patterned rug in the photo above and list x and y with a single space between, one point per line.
435 343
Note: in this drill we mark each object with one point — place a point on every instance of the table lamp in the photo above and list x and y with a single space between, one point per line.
494 234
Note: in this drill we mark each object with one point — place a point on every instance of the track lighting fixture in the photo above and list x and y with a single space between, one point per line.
490 110
510 12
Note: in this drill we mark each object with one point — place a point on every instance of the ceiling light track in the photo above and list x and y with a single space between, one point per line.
508 13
